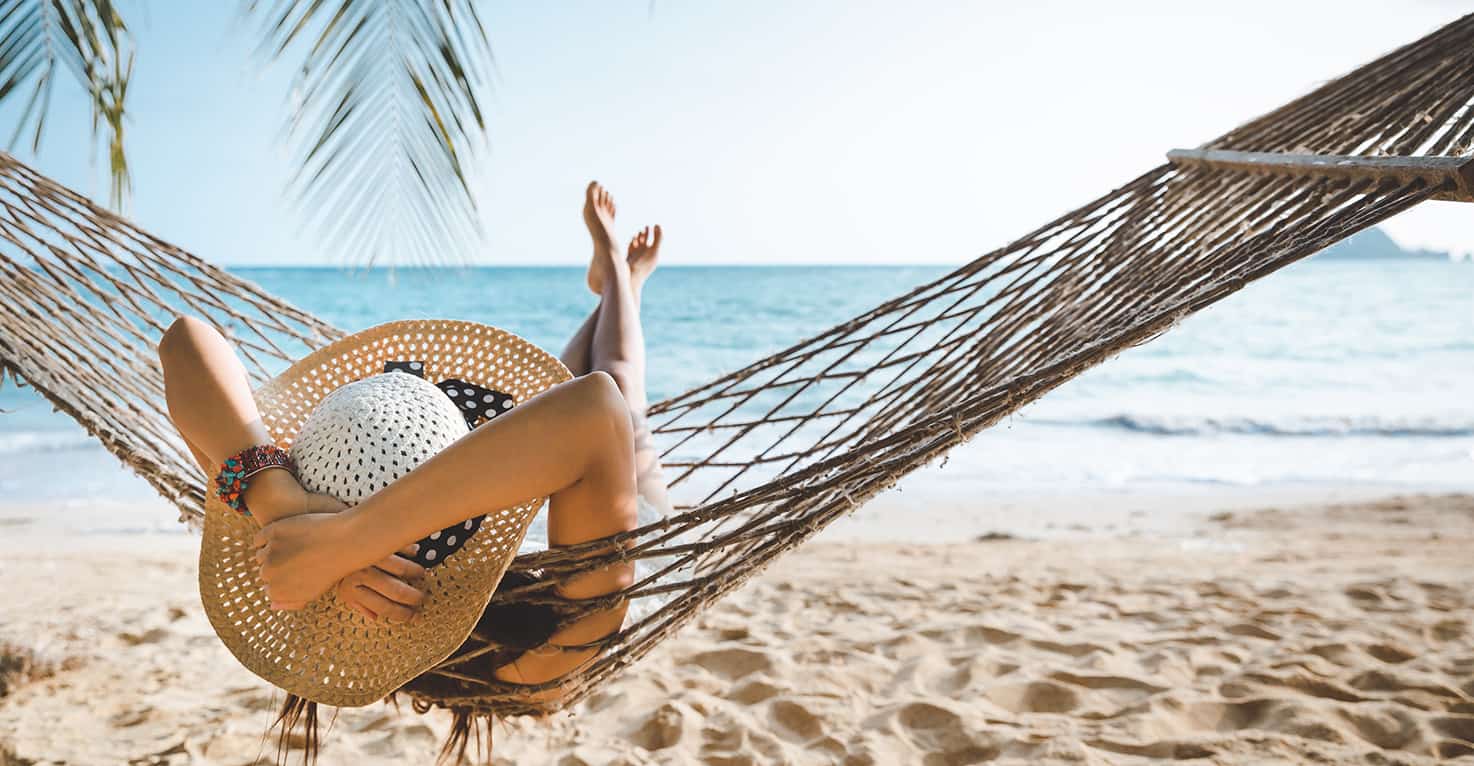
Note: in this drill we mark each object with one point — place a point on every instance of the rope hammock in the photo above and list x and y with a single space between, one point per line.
763 458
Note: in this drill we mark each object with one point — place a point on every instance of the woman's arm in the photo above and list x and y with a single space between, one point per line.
210 402
572 442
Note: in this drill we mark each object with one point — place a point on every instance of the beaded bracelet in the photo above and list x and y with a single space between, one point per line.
237 470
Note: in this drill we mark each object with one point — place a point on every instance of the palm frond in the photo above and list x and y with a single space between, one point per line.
76 42
386 122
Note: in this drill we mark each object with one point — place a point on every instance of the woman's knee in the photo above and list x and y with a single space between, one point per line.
601 397
607 424
624 376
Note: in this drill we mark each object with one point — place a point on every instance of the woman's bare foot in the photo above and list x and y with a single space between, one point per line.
644 253
598 215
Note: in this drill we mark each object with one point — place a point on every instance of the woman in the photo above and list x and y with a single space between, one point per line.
590 453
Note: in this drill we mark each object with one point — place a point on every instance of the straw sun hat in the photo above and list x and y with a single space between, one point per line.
357 415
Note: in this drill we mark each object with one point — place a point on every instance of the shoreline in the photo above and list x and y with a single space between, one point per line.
930 511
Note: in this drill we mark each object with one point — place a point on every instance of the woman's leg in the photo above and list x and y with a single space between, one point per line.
614 341
598 217
575 355
619 349
616 345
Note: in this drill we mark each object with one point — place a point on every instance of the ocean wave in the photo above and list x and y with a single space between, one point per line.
44 441
1310 425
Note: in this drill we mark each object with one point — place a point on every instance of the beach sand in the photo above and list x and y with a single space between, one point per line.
1330 633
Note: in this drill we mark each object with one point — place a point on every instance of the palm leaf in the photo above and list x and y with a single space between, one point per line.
386 119
76 42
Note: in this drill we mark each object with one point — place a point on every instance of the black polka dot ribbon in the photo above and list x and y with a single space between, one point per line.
477 405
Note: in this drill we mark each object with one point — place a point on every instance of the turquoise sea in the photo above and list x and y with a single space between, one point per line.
1331 373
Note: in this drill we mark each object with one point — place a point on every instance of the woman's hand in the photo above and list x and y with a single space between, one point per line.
292 551
388 590
302 556
295 553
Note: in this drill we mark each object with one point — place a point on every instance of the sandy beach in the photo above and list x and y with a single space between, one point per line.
1330 633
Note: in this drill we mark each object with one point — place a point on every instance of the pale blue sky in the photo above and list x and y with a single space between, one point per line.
800 131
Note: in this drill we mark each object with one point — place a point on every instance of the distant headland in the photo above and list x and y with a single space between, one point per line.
1374 244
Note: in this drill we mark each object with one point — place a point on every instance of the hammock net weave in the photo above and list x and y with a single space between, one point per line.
763 458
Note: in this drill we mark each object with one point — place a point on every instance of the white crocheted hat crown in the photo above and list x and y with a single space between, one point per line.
372 431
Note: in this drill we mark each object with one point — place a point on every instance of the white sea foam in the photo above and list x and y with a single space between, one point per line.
20 442
1302 426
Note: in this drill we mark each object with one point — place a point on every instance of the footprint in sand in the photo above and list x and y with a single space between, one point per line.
150 636
1337 653
1250 630
732 741
1452 749
1107 683
1400 680
1167 750
1034 697
983 634
668 726
793 722
1274 715
1228 716
753 692
942 734
1459 727
1448 630
1070 649
1385 725
129 716
251 698
1391 654
1304 683
734 663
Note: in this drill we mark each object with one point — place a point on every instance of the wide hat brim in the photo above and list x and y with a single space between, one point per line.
327 652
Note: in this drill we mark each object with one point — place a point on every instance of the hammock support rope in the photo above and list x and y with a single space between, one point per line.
1452 177
764 457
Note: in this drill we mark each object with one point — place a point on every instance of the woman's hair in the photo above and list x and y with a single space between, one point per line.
295 710
466 724
516 627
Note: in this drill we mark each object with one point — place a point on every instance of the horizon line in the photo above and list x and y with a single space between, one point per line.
531 264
